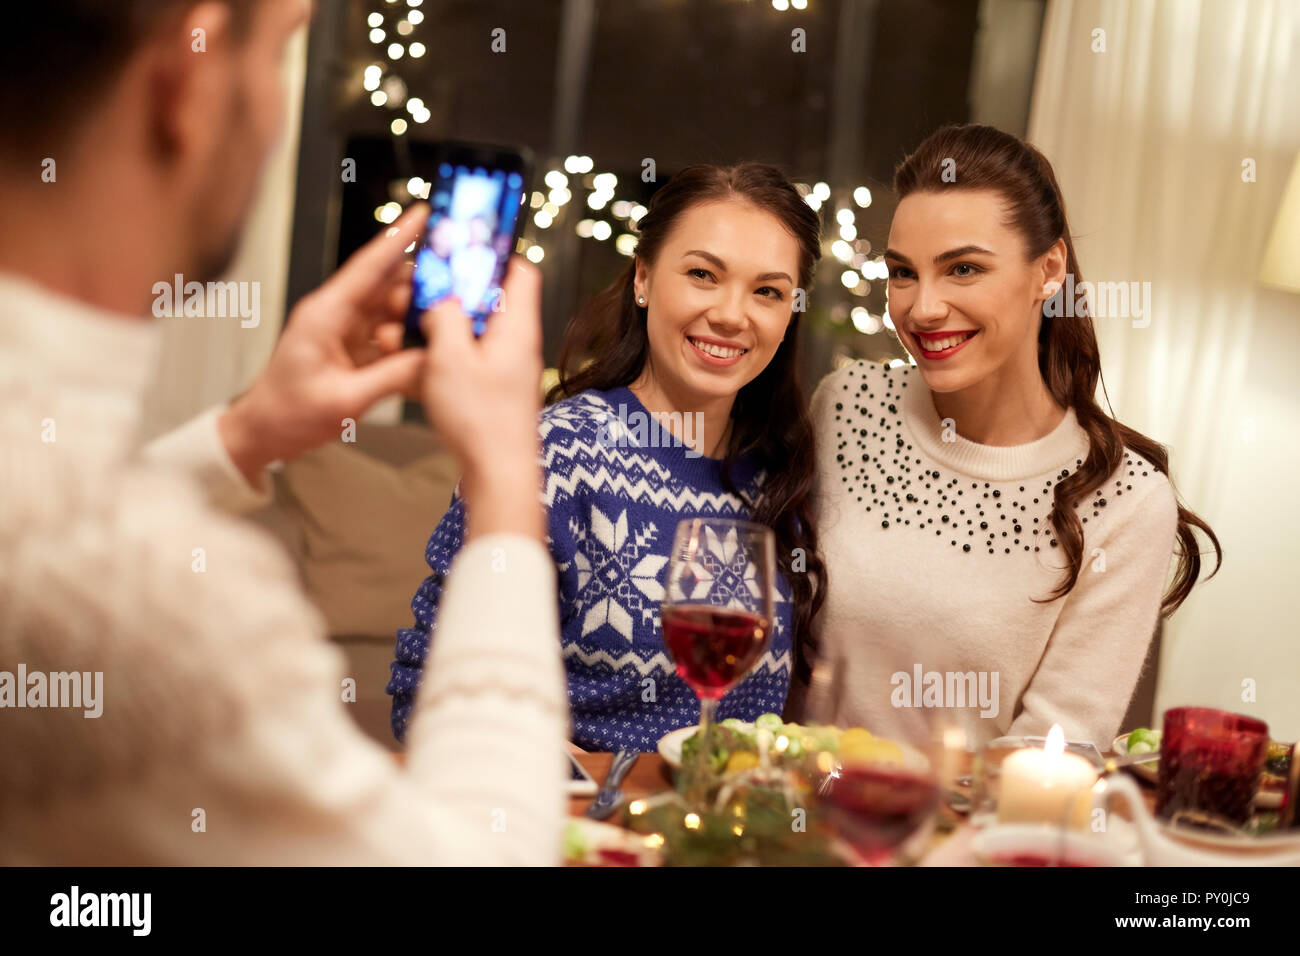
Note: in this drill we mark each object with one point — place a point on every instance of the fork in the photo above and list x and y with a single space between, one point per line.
610 796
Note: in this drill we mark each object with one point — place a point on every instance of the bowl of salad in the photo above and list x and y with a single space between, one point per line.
736 745
1143 740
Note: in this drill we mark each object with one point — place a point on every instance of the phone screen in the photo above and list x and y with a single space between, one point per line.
475 199
580 781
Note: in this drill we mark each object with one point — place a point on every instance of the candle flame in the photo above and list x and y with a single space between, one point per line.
1055 741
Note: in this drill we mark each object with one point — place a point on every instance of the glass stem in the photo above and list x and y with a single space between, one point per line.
698 795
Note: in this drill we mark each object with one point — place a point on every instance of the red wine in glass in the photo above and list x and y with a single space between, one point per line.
717 612
713 647
876 807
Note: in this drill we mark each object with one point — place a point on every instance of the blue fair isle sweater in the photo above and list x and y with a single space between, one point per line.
616 486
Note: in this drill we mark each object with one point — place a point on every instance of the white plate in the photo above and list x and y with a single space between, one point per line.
604 844
1147 771
1266 799
670 748
1118 848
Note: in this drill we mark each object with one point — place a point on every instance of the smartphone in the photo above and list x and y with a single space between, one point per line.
476 199
580 782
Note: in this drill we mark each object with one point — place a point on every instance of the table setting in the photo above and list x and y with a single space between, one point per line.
1209 788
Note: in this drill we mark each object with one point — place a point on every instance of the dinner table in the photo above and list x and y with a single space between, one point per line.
949 845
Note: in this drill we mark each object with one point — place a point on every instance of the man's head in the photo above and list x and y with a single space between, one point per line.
178 100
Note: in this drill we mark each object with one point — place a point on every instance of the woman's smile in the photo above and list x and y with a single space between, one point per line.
717 353
942 345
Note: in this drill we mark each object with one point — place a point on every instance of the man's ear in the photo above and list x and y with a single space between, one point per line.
192 79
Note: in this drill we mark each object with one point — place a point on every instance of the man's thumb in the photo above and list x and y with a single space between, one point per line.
389 375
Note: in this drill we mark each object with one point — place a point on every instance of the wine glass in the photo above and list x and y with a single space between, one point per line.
717 616
881 797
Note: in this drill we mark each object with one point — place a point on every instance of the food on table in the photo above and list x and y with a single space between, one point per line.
736 744
726 741
1278 760
750 827
770 722
590 843
740 761
876 750
1277 767
1144 741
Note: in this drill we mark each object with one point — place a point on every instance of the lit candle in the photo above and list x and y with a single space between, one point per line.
1043 786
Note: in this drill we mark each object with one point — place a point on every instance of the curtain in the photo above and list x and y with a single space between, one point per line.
1172 126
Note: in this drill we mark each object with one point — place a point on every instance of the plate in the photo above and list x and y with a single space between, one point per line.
670 745
590 842
1146 771
670 748
1266 799
1002 843
1262 844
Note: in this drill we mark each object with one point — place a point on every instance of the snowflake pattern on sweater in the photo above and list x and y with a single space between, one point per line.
614 495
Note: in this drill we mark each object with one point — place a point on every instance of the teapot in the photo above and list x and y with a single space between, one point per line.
1162 845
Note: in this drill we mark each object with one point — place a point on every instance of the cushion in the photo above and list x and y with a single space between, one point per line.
362 514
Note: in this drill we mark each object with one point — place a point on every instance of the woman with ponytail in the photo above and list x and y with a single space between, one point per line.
1000 544
679 397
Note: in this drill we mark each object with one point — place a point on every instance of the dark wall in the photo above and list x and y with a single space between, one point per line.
677 80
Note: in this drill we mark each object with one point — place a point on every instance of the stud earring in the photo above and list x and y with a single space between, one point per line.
640 300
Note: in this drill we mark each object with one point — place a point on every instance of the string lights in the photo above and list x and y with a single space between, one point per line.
574 184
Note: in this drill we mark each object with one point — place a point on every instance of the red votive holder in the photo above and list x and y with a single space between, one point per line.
1210 763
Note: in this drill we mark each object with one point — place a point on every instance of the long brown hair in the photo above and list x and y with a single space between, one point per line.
769 418
1068 358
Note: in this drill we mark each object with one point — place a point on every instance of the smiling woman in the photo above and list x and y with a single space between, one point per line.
702 327
1006 524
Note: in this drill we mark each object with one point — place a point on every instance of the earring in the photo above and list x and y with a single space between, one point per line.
640 300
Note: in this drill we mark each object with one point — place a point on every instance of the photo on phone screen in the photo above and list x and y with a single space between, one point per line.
475 198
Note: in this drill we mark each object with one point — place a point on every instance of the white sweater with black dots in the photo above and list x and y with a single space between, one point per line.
937 547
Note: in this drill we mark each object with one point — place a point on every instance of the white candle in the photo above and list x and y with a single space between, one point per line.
1046 786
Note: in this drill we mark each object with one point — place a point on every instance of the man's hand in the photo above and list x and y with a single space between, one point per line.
483 398
341 351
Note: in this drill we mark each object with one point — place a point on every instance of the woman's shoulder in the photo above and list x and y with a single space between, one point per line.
583 417
850 375
1144 485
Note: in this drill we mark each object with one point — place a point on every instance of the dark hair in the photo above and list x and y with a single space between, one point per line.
769 417
58 59
1068 357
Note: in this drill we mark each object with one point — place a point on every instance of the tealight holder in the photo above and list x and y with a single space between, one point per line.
1028 780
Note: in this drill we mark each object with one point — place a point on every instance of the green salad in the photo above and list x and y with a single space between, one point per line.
735 744
1144 741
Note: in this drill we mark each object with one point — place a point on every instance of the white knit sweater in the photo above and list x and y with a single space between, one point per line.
937 545
224 737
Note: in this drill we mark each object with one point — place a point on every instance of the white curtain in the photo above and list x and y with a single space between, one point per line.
204 361
1155 115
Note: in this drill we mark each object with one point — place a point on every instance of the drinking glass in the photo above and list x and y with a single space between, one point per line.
1211 762
883 809
717 616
